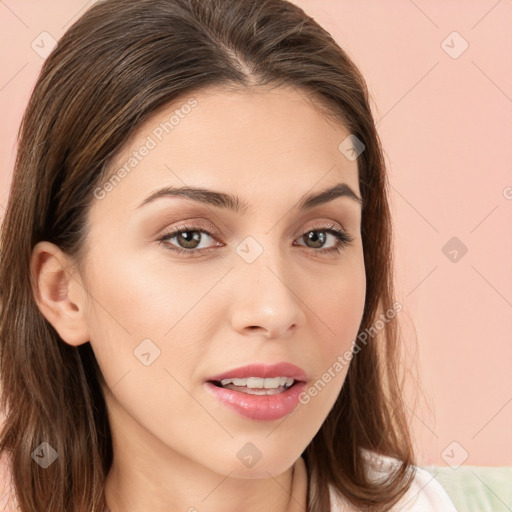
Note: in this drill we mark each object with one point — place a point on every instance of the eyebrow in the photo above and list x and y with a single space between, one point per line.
234 203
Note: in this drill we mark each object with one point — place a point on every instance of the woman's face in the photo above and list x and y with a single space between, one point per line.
251 280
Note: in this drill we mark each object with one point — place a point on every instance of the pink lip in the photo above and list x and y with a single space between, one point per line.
262 370
260 407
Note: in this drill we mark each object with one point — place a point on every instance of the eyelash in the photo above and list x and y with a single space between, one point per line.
343 239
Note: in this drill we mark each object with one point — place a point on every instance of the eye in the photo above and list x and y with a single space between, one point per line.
190 238
318 236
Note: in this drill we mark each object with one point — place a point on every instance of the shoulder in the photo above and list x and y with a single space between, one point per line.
424 495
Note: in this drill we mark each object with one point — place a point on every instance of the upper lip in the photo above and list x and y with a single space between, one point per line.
265 371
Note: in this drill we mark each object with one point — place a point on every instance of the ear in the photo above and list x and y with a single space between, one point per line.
59 293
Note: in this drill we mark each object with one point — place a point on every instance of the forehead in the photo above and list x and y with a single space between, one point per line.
243 142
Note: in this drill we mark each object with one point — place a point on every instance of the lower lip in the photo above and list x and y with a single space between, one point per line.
259 407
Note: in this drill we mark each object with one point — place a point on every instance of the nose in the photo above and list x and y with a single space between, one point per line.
266 303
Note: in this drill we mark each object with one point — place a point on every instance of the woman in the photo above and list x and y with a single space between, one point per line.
196 273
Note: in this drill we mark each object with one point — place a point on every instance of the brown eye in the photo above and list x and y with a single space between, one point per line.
316 238
188 240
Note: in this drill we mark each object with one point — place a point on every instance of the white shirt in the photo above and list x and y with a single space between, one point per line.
424 495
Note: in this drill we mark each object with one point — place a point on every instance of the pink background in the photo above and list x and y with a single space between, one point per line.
445 119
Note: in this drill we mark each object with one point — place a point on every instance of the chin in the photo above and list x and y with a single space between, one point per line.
264 467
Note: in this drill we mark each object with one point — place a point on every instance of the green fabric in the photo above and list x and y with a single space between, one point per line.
476 488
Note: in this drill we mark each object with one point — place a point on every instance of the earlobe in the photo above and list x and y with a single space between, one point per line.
59 293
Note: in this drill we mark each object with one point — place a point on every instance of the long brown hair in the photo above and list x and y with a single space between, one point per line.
114 68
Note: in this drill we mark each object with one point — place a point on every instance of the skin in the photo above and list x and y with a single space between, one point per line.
175 446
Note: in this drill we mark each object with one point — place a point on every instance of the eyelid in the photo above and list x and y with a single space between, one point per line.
191 225
202 224
327 224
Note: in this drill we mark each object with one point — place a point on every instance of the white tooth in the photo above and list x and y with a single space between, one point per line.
255 382
282 381
259 382
272 383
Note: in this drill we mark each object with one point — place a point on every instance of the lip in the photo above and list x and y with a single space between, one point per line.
265 371
259 407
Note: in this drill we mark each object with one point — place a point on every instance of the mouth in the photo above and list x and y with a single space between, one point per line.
260 379
258 391
257 385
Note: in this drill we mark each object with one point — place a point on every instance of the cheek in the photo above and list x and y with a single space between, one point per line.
337 303
336 309
147 344
141 310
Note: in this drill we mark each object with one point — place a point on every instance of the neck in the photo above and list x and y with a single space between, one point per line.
131 491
